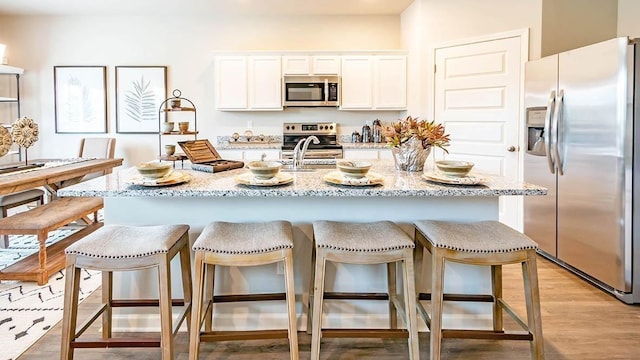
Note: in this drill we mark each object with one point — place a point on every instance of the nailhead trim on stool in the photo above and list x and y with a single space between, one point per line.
488 243
241 244
381 242
125 248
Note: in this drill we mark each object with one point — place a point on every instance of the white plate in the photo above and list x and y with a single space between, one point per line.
172 178
248 178
371 179
463 180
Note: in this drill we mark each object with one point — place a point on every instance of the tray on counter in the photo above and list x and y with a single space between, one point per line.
204 157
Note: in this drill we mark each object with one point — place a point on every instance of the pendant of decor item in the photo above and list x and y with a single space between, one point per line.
410 155
5 141
24 132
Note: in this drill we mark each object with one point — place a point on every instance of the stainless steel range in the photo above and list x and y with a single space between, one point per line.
327 148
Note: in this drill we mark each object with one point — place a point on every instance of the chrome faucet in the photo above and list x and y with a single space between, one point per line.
301 149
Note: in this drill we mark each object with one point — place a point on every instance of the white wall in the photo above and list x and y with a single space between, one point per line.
628 15
570 24
185 44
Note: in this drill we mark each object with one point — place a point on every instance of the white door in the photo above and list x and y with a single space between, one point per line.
478 99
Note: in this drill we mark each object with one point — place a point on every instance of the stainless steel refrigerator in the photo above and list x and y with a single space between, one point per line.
582 144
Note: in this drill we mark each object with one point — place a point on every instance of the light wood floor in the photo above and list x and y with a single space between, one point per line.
579 322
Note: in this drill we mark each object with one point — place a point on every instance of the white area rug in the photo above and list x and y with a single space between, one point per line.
28 311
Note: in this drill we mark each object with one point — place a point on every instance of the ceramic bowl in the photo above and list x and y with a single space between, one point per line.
264 169
154 170
167 126
354 169
454 168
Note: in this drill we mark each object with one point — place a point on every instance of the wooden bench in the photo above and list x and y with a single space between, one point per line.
40 221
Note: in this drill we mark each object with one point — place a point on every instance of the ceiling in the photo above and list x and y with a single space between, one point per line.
203 7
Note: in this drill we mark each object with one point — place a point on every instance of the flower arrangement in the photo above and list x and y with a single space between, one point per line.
428 132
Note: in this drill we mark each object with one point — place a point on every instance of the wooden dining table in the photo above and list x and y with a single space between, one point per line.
52 178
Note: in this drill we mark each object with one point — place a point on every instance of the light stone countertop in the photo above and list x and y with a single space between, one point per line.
204 184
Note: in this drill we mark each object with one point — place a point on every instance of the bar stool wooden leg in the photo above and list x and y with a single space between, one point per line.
391 288
410 305
196 310
437 298
166 319
318 289
70 318
209 273
496 287
107 298
311 293
532 296
187 291
291 304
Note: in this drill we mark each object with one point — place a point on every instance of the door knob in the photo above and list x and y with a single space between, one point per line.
511 148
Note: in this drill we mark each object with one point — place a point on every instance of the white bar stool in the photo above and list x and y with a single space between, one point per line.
125 248
381 242
241 244
488 243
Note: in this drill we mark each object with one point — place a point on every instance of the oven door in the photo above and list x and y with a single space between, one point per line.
315 154
311 91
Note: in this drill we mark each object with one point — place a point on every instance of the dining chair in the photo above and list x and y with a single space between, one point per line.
102 148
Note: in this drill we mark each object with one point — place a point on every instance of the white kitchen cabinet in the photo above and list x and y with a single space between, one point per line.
377 82
390 82
231 83
227 154
249 154
265 84
357 83
248 83
367 154
310 65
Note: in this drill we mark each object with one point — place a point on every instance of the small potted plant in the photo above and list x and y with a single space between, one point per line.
411 140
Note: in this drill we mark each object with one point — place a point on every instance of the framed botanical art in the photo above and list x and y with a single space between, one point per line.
139 92
80 99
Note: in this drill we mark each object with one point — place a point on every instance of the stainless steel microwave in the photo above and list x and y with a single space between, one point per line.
311 91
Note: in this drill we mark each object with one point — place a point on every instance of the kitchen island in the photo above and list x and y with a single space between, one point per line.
403 198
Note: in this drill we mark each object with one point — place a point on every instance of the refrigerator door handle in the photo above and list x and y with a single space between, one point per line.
555 131
547 131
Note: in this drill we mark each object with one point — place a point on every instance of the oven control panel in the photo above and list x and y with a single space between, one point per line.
324 128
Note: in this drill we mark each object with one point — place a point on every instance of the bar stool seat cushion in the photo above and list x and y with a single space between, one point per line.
21 196
221 237
478 237
377 236
126 242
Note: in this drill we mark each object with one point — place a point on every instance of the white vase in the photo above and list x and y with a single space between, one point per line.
410 155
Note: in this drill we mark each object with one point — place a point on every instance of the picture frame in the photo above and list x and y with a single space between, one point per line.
139 92
80 99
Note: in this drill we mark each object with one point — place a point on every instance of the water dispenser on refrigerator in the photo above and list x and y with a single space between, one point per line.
535 130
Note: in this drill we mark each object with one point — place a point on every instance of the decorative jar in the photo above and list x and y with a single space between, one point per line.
410 155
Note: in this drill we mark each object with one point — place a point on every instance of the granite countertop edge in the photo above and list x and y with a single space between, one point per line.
305 184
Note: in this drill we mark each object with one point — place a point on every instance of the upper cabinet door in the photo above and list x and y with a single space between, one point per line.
265 83
296 65
357 83
325 65
231 82
310 65
390 82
